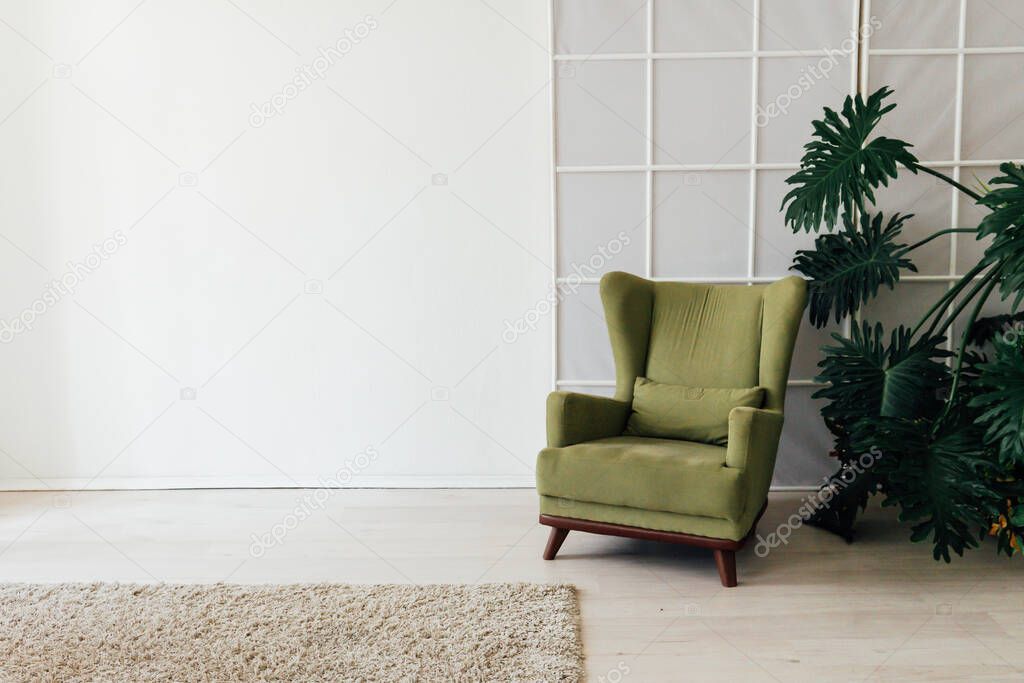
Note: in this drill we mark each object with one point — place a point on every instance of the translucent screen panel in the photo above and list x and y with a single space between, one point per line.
776 243
700 224
994 131
914 23
925 94
702 111
601 219
968 249
995 23
803 450
807 24
807 352
601 115
584 27
791 94
584 350
903 305
587 389
703 25
930 200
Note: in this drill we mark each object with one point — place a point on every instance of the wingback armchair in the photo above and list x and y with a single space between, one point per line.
596 477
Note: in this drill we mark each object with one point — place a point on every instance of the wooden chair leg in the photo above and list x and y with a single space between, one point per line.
555 540
726 562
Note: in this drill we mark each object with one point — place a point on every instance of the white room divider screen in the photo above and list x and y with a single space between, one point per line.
676 122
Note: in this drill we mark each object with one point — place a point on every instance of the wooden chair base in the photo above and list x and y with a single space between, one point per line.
554 542
725 549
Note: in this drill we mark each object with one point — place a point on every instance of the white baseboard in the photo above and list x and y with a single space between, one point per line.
235 482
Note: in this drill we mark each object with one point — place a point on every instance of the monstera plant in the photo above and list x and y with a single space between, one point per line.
949 424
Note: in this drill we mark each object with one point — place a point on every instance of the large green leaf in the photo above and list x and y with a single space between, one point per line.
842 167
1006 203
846 268
1006 224
866 378
943 483
1000 395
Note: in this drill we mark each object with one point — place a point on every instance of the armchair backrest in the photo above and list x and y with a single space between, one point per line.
703 335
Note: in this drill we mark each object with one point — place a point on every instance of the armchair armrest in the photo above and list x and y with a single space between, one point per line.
753 444
574 418
753 439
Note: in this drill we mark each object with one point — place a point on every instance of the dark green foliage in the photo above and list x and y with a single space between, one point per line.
841 169
940 481
1013 493
1006 203
846 268
952 434
1000 396
867 378
1006 224
986 330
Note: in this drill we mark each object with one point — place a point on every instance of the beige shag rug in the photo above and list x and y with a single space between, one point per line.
112 632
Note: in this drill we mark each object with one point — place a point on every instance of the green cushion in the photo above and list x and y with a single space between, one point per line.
651 474
673 411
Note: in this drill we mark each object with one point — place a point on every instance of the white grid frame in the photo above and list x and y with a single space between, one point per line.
650 168
859 82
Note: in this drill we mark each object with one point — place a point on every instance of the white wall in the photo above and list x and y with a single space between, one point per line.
277 298
330 287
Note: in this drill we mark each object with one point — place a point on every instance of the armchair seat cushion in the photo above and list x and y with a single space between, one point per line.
681 477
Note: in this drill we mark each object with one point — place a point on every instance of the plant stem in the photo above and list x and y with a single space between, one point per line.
963 346
963 188
926 240
990 279
944 299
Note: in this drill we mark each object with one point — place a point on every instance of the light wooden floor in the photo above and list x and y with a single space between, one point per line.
814 610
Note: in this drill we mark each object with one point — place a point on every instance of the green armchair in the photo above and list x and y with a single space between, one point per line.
596 477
